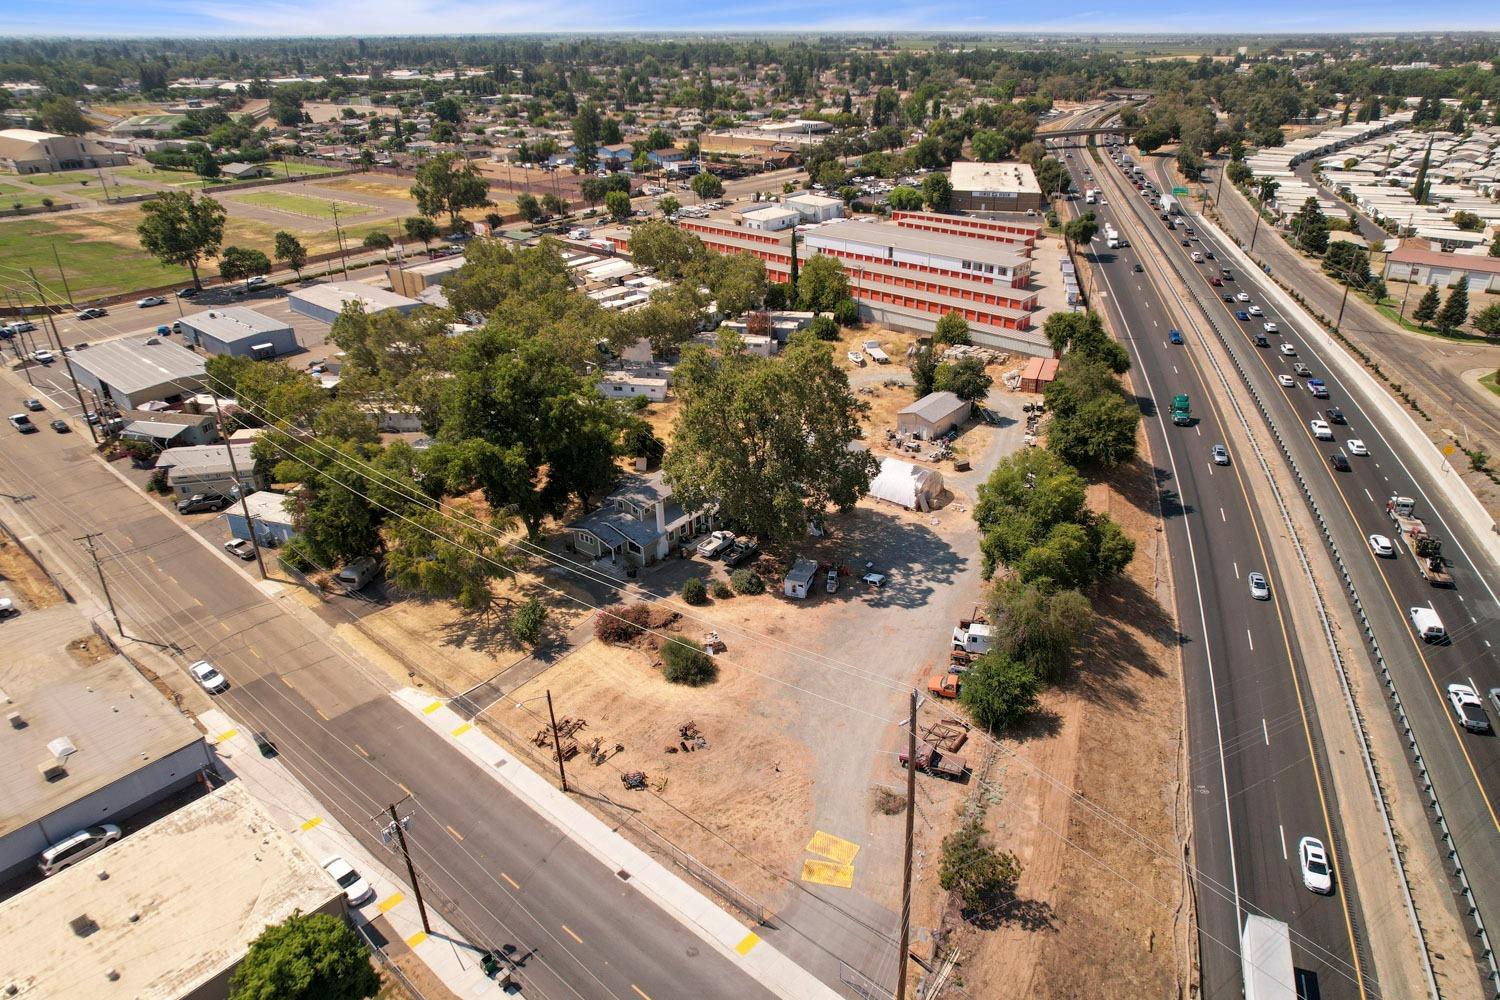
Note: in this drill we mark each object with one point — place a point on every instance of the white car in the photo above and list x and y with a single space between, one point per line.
1242 296
857 358
1259 588
1254 311
1316 874
876 580
208 677
44 357
1321 430
1287 382
1381 546
1356 447
1290 350
151 300
256 281
356 889
1468 708
1269 327
715 543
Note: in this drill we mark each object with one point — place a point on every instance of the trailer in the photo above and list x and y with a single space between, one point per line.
933 761
875 353
1426 551
948 735
1169 206
1266 960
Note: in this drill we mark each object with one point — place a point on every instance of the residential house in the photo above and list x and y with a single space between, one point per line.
272 515
166 429
245 171
639 522
207 469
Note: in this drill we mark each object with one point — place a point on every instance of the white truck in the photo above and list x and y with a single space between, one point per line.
973 637
875 354
1091 195
1266 960
1169 207
1112 237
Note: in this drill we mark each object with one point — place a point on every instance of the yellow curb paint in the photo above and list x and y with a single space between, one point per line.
575 937
288 681
311 823
828 873
228 735
320 714
432 708
362 751
745 946
390 902
403 788
513 883
416 939
462 729
836 848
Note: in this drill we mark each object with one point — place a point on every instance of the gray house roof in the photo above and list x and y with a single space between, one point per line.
934 406
136 365
234 324
206 460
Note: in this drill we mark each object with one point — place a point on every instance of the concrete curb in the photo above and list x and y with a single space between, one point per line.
657 883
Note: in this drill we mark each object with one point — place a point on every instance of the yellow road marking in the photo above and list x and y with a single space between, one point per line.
390 902
432 708
403 788
288 682
320 713
837 848
255 653
416 939
362 751
828 873
312 823
456 834
462 729
575 937
513 883
639 992
228 735
750 941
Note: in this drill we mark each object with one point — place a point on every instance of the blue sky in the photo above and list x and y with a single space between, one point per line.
386 17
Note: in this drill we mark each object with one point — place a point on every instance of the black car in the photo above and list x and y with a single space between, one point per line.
264 745
61 426
1138 269
1339 461
187 293
1336 416
1229 298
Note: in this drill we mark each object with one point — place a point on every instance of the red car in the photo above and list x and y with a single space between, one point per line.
1216 282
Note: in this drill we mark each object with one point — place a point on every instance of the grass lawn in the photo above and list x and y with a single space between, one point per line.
10 194
303 204
1491 383
1392 312
57 180
98 251
301 169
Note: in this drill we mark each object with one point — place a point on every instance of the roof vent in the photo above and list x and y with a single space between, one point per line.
15 720
112 975
52 771
62 748
83 925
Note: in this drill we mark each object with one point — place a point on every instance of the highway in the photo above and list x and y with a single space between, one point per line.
1465 766
498 872
1258 788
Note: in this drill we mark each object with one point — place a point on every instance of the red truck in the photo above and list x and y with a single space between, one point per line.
933 761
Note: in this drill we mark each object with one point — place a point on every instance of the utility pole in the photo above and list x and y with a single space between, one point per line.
88 543
68 292
339 233
411 869
557 742
239 486
1348 280
68 364
903 961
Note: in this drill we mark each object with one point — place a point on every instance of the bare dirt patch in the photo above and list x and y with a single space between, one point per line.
90 649
25 578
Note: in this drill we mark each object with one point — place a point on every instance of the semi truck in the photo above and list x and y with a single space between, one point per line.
1112 236
1182 410
1266 959
1426 551
1091 195
1169 206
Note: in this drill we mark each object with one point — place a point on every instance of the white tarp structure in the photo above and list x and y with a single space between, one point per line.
906 485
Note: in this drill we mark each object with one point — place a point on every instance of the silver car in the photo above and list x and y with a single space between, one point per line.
1259 588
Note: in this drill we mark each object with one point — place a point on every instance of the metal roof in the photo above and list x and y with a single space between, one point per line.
135 365
934 406
234 324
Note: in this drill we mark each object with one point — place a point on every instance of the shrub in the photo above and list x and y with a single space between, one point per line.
846 313
684 663
721 590
999 692
973 869
747 581
694 591
824 328
621 623
526 625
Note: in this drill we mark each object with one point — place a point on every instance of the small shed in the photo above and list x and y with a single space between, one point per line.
1038 374
271 514
933 415
799 580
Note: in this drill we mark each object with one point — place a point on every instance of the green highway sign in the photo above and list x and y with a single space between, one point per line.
1180 192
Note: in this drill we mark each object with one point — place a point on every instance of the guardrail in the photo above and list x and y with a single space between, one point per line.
1371 771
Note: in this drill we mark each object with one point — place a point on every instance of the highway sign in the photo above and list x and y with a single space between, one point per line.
1180 192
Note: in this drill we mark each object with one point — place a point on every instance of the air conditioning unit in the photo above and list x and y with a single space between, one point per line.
15 720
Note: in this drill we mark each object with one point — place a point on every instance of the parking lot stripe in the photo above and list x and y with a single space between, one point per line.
513 883
456 835
575 937
639 992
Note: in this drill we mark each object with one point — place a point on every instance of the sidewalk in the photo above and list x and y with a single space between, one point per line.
657 883
445 952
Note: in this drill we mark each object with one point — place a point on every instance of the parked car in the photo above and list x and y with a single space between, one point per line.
22 423
44 357
75 847
256 281
1468 708
715 544
187 293
1381 546
1259 588
876 580
356 889
201 502
1316 875
151 300
208 677
241 547
94 312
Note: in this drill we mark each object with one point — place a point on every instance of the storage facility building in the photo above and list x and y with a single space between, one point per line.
325 300
933 415
994 187
130 372
238 331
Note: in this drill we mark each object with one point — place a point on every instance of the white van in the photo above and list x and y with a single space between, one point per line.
75 848
1427 623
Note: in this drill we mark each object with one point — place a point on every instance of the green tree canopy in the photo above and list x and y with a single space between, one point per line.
291 250
421 228
61 115
937 192
440 557
905 198
177 229
965 378
1427 308
707 187
1455 311
240 263
999 691
449 184
667 249
822 284
617 203
973 870
306 957
1040 628
951 329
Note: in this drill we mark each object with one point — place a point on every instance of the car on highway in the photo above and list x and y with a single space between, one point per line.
1242 296
1138 269
1209 254
1356 447
149 301
356 889
1316 875
1221 455
1335 415
1226 274
242 548
1216 281
208 677
61 426
1240 314
22 423
1381 546
34 405
1255 311
93 312
1259 588
1195 255
1175 336
1287 382
187 293
1187 243
1270 327
1317 388
1289 349
1468 708
1339 461
1320 429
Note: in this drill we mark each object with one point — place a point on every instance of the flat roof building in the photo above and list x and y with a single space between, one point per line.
771 218
184 899
88 744
135 371
272 514
325 300
238 331
27 151
412 279
815 207
994 187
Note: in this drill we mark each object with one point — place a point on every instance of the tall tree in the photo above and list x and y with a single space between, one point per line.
1455 311
665 248
617 203
444 184
242 263
1427 309
291 250
443 557
586 129
177 229
420 227
706 186
951 329
768 441
822 284
1310 227
306 957
60 114
965 378
937 192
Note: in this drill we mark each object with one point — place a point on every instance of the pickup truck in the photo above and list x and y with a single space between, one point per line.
1427 552
933 761
973 637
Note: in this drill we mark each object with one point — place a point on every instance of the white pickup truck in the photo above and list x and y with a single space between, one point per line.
873 351
973 637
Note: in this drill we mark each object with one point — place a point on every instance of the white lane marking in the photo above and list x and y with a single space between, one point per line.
1282 831
1198 429
1236 570
1264 731
1222 517
1251 639
1174 367
1367 493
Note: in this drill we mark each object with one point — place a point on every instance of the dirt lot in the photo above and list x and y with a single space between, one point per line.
22 579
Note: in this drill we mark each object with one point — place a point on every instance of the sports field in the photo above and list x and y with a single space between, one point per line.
307 206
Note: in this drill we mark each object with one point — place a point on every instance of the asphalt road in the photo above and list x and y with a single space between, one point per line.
1465 766
1257 789
502 875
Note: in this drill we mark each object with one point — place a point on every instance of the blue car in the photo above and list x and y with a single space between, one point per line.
1242 316
1175 336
